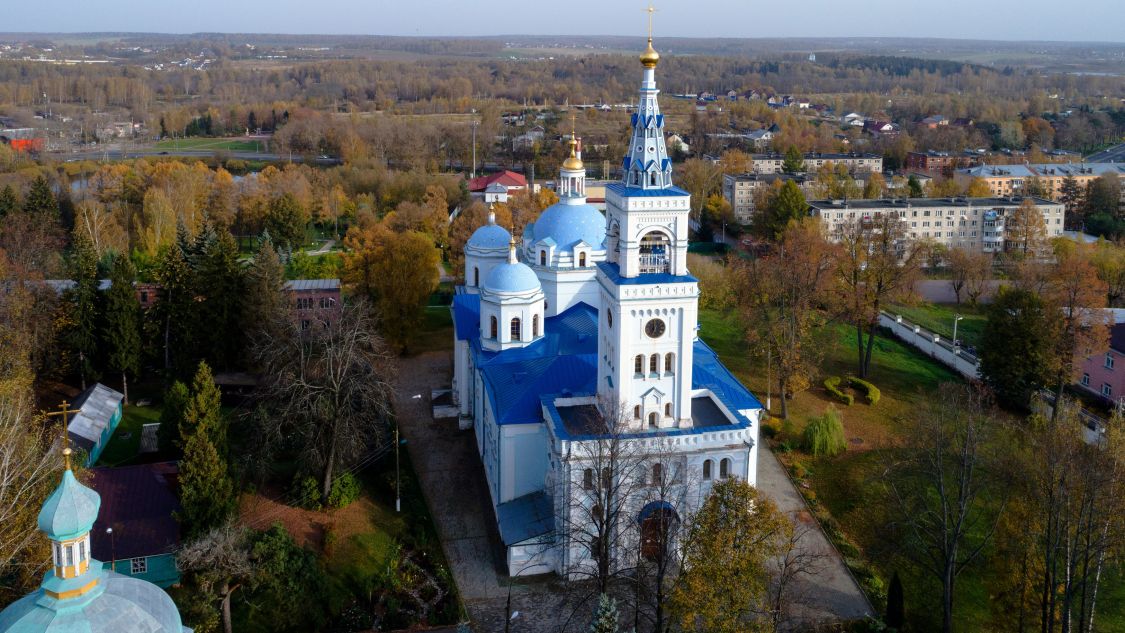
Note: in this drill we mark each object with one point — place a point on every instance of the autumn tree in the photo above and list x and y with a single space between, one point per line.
727 550
782 296
970 271
1025 231
700 178
878 263
220 561
1108 260
405 273
286 222
947 488
875 186
1077 296
329 390
121 332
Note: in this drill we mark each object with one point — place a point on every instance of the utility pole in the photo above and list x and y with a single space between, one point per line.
473 172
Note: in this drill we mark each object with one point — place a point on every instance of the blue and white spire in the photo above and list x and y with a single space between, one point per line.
647 164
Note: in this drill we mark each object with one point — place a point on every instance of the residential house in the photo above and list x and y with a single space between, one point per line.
877 128
314 300
855 162
510 180
853 119
99 412
139 504
934 121
1103 374
934 162
739 191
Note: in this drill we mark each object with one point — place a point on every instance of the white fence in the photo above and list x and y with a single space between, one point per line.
931 344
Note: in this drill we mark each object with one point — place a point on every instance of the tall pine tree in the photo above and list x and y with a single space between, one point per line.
266 308
202 412
40 199
172 416
82 336
175 312
8 201
219 291
207 492
121 332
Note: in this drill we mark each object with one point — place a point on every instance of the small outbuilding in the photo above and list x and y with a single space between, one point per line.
99 412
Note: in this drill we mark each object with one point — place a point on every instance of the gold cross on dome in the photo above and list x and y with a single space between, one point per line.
650 10
64 411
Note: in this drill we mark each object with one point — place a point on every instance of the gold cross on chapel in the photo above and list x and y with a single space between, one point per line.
650 10
64 411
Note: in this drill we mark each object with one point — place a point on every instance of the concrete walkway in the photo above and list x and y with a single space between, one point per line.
830 593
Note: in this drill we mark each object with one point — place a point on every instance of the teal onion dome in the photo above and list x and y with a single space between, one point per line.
70 511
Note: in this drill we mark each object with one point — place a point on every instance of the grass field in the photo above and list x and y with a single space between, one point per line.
938 318
126 441
225 144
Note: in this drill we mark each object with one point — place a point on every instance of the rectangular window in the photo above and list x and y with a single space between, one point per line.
1109 361
69 550
1086 380
1107 391
82 551
138 566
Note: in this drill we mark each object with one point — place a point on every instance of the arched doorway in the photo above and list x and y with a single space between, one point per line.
659 523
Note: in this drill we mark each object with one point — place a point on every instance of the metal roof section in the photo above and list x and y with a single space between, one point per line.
299 285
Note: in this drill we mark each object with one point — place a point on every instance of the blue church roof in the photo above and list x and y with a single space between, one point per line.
624 190
490 236
509 277
569 224
613 271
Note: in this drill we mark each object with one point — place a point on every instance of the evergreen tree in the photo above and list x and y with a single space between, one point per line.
175 313
794 161
82 337
8 201
172 416
40 199
1072 196
605 620
1015 346
121 332
914 188
784 207
265 309
203 413
220 290
896 610
207 493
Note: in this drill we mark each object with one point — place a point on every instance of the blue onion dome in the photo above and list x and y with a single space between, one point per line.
70 510
491 236
569 224
511 278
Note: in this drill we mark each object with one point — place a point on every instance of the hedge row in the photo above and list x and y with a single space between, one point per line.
832 384
871 393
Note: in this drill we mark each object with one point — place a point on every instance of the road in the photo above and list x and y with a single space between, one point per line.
941 291
201 154
1115 154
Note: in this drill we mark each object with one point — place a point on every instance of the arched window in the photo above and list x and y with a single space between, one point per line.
655 253
639 364
707 466
582 260
542 258
492 330
535 326
657 474
516 329
652 178
654 363
476 276
588 479
653 419
609 318
724 468
637 412
669 358
668 409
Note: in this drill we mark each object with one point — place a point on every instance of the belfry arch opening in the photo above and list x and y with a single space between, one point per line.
656 249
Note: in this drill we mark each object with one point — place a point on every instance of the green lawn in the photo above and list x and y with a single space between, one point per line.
224 144
436 332
938 318
126 440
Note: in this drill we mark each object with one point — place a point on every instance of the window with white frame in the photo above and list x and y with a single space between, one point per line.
1085 380
1109 361
1107 390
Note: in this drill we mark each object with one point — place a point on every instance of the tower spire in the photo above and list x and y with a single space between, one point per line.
512 259
647 166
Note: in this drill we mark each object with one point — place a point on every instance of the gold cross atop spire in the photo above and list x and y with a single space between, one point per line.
64 411
650 10
649 58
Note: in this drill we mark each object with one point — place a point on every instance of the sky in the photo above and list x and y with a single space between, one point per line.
1090 20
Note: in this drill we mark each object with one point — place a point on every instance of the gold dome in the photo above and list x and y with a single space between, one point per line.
573 163
650 58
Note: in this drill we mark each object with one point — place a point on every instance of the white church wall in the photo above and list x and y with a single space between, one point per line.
524 454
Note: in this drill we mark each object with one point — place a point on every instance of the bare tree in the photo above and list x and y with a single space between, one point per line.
794 563
220 560
330 384
970 271
878 263
946 488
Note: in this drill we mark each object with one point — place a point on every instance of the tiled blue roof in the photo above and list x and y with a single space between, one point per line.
624 190
466 315
525 517
613 271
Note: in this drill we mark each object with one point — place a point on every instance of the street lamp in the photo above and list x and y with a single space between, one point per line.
112 549
956 318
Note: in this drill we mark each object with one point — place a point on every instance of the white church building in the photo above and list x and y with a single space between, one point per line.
593 317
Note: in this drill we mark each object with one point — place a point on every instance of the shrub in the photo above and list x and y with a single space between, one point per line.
871 393
345 490
832 385
824 435
306 491
799 471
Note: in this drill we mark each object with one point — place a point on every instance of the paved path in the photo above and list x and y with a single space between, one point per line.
1113 154
941 291
327 246
831 593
